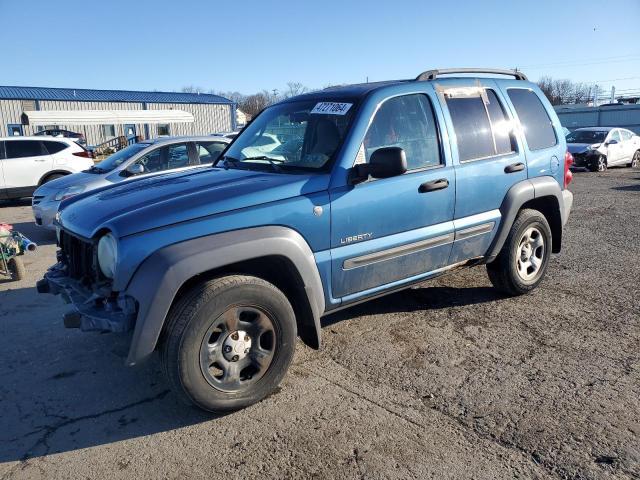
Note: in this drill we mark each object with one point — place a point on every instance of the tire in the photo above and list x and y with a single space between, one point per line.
599 164
508 272
53 176
635 161
16 268
206 364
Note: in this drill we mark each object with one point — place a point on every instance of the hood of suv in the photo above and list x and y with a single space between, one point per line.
154 202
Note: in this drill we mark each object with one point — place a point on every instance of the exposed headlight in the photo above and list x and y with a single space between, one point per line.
108 255
69 192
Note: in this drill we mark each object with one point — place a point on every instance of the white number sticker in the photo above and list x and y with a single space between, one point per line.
331 108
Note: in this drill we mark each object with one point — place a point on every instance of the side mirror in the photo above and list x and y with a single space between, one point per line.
612 142
135 169
384 163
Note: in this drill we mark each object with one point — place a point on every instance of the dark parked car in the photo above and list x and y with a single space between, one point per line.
58 132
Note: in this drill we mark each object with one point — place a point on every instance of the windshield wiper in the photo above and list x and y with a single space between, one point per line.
272 161
228 161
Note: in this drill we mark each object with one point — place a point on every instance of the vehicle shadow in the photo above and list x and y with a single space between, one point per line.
628 188
64 390
84 396
20 202
39 235
418 299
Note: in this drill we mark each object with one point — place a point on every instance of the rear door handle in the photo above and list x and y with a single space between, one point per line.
440 184
514 167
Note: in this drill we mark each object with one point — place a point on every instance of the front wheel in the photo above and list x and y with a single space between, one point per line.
228 342
522 262
16 268
635 161
599 164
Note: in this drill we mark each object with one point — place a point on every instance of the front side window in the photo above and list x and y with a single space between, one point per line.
165 158
407 122
615 136
24 148
208 152
163 130
120 156
300 135
534 119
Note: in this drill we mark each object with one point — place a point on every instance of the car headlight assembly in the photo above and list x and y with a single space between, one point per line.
108 255
69 192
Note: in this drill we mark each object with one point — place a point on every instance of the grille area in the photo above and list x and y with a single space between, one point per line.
79 257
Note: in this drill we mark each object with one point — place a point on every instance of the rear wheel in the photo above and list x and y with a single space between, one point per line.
635 161
522 262
53 176
229 342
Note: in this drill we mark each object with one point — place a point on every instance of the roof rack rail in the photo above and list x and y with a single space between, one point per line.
432 74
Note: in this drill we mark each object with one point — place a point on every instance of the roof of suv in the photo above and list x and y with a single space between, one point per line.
361 89
41 138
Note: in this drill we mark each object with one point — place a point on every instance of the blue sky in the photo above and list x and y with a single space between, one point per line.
250 45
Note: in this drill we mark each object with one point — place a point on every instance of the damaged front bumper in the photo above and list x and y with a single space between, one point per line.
92 309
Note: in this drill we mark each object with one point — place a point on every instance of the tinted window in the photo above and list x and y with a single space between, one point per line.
25 148
615 136
535 122
54 147
407 122
472 127
500 124
208 152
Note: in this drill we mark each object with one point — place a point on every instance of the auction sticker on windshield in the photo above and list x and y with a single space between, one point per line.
331 108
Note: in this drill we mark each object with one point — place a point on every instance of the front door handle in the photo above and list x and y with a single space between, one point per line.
440 184
514 167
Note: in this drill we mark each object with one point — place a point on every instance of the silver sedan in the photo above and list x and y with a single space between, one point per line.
149 157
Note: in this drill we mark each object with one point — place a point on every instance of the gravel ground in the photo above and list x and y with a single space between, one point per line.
445 380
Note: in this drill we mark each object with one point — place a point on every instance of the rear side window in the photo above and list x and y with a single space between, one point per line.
54 147
536 124
481 125
24 148
208 152
407 122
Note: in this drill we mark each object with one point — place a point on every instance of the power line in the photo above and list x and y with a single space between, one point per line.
617 58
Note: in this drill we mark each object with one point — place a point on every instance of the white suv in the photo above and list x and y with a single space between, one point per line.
28 162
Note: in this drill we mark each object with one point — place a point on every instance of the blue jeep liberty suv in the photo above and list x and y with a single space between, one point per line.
369 189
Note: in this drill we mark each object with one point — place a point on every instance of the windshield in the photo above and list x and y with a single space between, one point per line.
292 136
587 136
120 156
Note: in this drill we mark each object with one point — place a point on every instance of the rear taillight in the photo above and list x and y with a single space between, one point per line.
568 175
84 154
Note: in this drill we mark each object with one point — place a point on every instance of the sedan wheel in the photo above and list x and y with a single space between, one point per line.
635 161
602 163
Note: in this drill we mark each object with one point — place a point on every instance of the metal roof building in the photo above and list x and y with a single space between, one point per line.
102 115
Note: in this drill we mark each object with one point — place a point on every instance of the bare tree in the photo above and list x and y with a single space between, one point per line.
253 104
563 92
192 89
293 89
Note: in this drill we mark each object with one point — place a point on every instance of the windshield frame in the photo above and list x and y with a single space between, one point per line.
283 167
